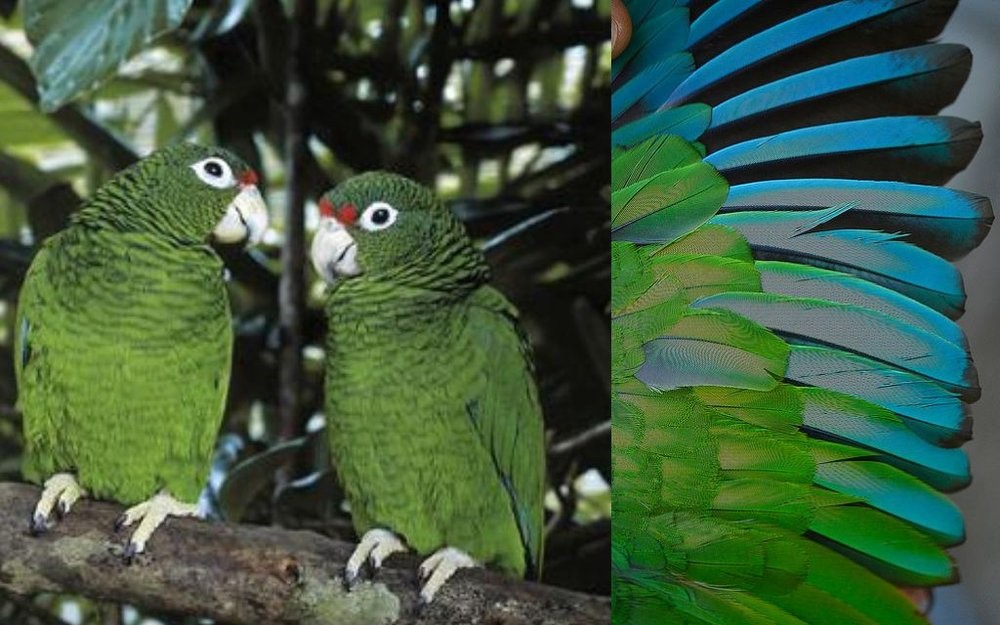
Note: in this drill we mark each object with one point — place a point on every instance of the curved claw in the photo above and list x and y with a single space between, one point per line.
59 494
351 579
131 551
375 546
149 515
438 569
38 524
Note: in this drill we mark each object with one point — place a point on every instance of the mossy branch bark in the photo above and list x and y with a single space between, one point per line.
249 574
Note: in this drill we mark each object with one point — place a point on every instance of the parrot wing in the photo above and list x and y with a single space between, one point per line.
40 432
507 415
789 386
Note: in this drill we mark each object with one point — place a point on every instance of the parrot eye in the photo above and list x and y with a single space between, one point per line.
378 216
215 172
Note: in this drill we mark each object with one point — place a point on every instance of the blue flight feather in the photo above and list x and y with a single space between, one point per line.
717 17
839 77
688 122
778 39
842 138
851 329
797 280
874 256
934 412
946 221
898 198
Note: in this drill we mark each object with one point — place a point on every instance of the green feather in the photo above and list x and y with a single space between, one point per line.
715 348
668 205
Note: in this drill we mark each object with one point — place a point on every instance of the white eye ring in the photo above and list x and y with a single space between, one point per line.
215 172
378 216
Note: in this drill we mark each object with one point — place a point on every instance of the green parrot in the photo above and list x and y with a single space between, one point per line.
123 338
434 421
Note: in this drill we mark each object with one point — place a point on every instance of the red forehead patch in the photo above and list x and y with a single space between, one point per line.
249 177
326 208
348 214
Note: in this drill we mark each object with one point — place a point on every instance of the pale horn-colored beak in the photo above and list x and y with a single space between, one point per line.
334 252
245 218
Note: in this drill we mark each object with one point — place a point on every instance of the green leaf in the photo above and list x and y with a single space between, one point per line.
78 45
22 126
249 476
166 120
28 129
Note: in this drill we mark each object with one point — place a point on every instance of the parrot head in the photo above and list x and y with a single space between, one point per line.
385 225
187 192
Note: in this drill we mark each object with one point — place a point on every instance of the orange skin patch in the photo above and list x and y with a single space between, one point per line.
621 27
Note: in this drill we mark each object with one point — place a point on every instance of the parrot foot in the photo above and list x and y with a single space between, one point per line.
438 569
60 492
150 514
375 546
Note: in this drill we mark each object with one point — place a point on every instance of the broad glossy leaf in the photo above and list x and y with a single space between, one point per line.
249 476
79 44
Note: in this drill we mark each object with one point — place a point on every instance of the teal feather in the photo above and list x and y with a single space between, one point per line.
790 385
895 492
652 84
939 145
687 122
652 40
817 321
932 410
945 221
783 37
881 258
854 421
804 281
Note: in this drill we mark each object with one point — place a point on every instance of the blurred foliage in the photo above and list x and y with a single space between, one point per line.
502 104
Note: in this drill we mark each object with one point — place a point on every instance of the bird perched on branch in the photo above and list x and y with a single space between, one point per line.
434 422
789 384
123 338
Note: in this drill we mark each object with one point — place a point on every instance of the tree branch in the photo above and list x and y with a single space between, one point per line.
251 574
582 439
